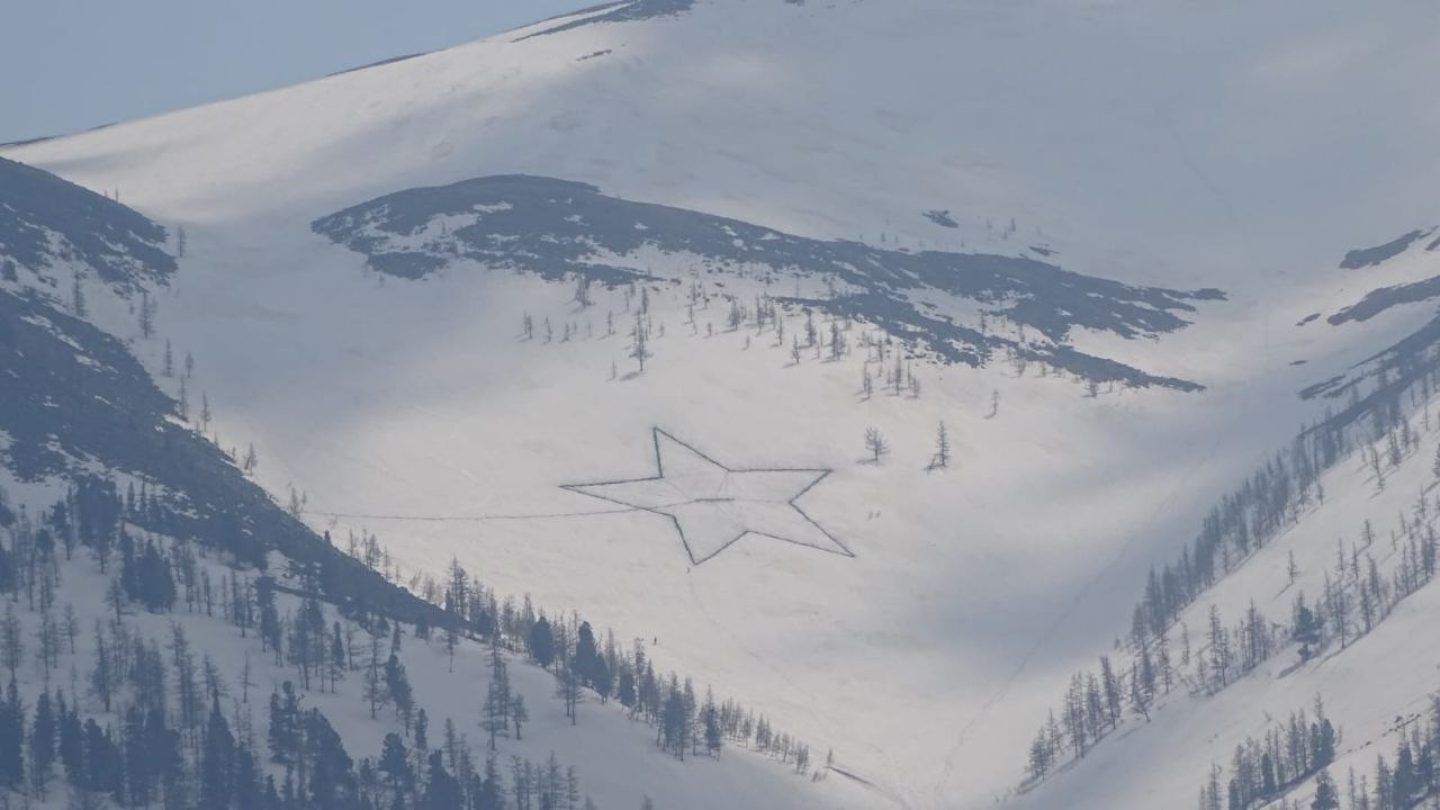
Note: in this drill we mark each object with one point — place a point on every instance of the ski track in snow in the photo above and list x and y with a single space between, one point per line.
1064 616
466 518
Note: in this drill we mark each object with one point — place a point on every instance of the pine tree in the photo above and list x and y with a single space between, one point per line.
1326 796
332 780
217 761
397 685
247 779
542 643
12 733
710 721
102 760
12 642
495 714
491 792
1139 693
442 791
587 657
519 715
337 659
72 742
285 723
103 678
1220 653
1306 628
375 693
395 764
42 744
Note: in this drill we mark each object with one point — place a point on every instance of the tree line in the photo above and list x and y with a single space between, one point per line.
171 729
1268 771
1357 594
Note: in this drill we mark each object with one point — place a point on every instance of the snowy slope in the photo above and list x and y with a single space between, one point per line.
78 409
1374 687
613 755
1161 144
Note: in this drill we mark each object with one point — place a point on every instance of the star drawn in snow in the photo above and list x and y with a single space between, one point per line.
712 505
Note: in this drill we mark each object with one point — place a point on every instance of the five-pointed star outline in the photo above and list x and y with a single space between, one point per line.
713 506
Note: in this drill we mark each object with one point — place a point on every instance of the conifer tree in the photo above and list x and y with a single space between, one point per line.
217 761
397 685
395 764
442 791
542 643
519 715
12 733
42 744
1326 796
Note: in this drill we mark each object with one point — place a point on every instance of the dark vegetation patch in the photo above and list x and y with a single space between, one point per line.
1371 256
122 246
74 394
1377 301
618 12
558 229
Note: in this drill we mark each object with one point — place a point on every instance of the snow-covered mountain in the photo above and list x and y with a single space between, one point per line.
107 480
1116 248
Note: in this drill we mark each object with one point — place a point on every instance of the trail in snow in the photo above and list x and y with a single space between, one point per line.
466 518
1054 627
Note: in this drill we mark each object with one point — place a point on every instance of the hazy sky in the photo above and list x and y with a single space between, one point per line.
67 65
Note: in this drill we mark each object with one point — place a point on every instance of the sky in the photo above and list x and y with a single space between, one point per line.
68 65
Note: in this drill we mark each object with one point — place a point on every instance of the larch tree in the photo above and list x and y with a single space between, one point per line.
876 445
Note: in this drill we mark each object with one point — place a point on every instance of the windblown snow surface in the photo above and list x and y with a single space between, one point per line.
1166 144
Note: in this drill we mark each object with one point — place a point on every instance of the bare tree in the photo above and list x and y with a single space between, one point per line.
245 680
941 459
876 445
72 625
640 349
77 298
147 315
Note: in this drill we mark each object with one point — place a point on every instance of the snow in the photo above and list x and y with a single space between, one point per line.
714 506
617 763
1384 675
1228 145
